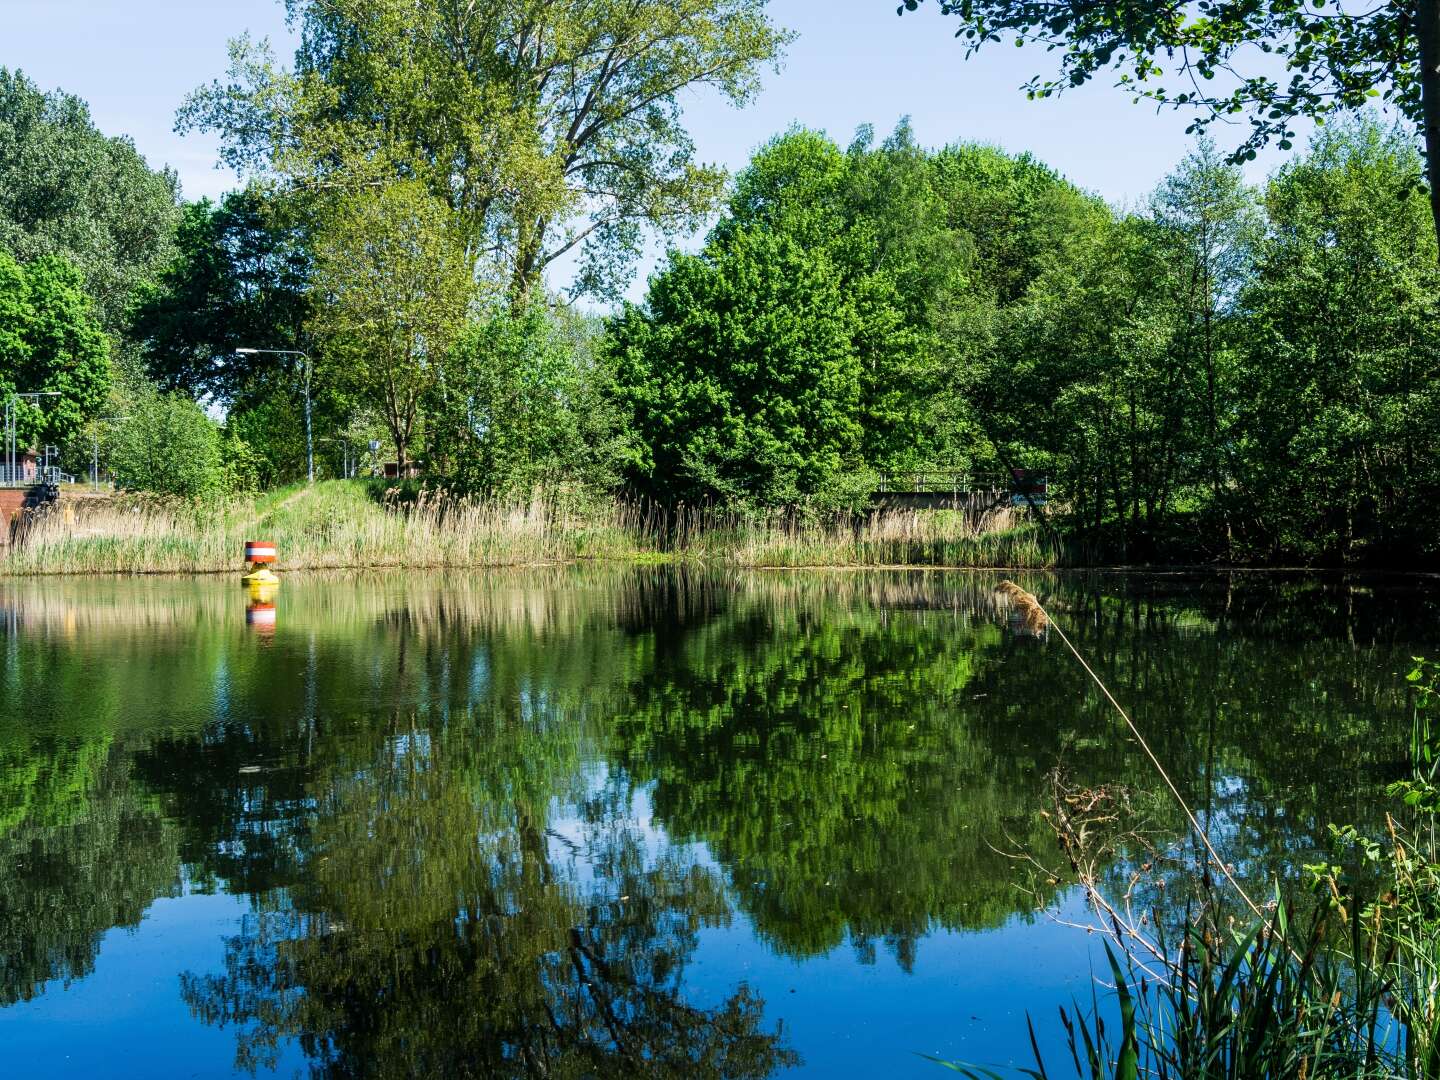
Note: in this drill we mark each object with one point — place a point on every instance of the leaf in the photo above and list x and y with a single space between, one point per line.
1128 1065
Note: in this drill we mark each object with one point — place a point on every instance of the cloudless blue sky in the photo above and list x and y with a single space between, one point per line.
854 62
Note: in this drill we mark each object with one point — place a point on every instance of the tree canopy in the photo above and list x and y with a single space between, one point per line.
67 190
826 330
51 343
397 288
546 128
1274 62
239 278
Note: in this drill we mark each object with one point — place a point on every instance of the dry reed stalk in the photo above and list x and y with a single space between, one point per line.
1034 614
1020 596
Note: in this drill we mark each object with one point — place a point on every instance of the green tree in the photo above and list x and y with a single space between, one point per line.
67 190
168 446
1337 396
238 279
742 374
1278 62
396 285
530 406
878 218
50 342
545 127
1209 224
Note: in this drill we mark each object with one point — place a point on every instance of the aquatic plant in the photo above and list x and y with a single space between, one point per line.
1353 991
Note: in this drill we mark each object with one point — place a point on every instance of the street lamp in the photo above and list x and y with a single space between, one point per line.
309 368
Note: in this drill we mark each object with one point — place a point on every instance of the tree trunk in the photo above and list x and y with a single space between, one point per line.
1427 33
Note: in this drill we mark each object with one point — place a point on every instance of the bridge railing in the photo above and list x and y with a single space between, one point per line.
19 476
939 482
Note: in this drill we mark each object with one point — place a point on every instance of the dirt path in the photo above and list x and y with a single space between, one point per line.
282 504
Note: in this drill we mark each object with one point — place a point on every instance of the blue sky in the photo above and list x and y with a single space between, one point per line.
855 62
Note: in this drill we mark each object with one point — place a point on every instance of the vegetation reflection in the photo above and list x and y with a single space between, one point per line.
484 826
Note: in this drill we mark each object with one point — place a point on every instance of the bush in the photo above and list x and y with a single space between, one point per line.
168 446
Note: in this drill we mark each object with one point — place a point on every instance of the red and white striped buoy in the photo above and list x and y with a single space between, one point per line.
259 552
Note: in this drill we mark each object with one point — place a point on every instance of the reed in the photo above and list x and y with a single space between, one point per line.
341 525
1355 995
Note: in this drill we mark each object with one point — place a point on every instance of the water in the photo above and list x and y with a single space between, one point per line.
622 822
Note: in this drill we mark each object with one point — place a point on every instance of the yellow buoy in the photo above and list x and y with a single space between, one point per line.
260 554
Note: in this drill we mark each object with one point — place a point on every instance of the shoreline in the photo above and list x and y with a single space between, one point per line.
698 562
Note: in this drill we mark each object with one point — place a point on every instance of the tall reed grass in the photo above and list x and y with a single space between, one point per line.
339 525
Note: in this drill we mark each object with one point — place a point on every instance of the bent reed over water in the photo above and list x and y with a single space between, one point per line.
340 525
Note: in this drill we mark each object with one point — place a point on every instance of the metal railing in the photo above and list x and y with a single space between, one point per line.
29 475
19 476
939 482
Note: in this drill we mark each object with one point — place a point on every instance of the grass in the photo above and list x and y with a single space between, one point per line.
343 525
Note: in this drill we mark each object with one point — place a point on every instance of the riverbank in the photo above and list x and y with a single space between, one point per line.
340 525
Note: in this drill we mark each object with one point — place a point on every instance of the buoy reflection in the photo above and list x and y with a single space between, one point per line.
260 612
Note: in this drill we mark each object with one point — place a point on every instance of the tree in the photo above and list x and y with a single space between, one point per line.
168 446
1339 57
396 286
530 406
546 127
50 342
67 190
1210 224
1336 398
238 278
741 375
877 217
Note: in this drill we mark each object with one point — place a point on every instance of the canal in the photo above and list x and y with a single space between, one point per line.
637 821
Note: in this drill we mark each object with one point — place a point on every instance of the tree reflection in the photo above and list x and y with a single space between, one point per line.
441 927
828 758
482 824
81 851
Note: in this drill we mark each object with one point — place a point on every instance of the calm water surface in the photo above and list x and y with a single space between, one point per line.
627 822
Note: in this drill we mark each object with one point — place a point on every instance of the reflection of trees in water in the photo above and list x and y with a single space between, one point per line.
434 931
82 850
387 783
855 766
825 757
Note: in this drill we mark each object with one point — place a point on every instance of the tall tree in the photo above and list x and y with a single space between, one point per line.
239 278
1278 62
70 191
742 375
50 343
396 286
1337 398
530 406
547 126
1209 226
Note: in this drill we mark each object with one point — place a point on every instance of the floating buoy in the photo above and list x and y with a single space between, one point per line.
260 554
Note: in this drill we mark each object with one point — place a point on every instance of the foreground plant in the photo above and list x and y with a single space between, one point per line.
1350 988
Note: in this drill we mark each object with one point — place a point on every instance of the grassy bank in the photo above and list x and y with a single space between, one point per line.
338 524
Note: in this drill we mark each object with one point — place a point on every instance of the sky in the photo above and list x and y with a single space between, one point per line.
854 62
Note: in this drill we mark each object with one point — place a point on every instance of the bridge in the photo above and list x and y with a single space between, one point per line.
24 488
956 489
